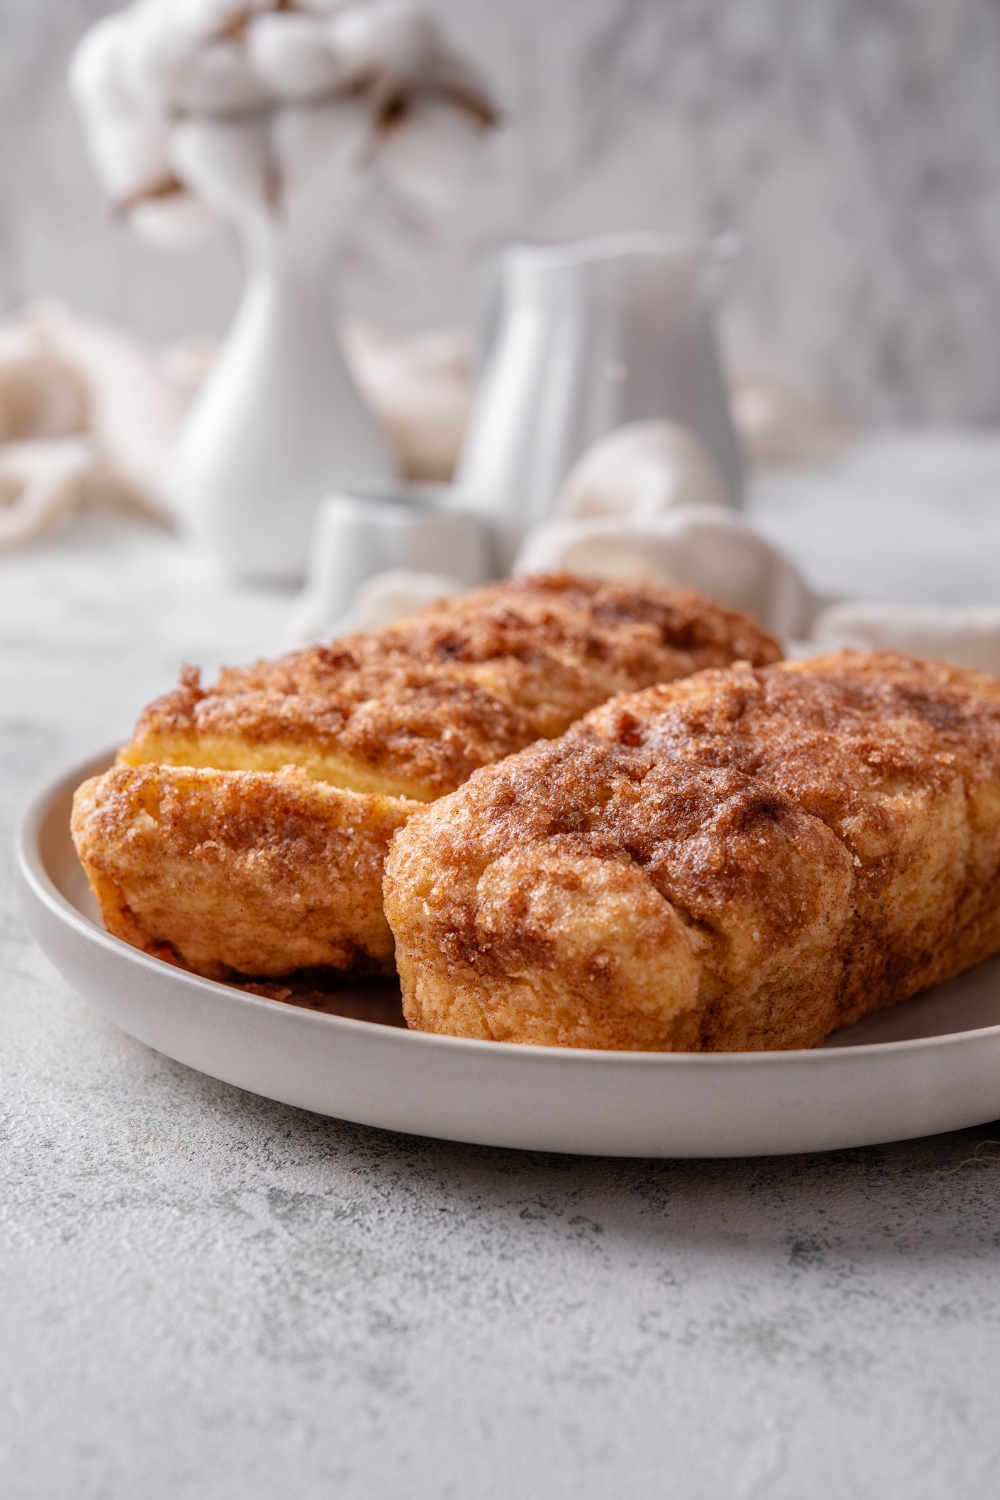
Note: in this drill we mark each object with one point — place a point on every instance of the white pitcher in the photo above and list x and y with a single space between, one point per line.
279 423
593 334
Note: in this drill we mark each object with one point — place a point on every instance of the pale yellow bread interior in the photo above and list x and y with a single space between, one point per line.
235 871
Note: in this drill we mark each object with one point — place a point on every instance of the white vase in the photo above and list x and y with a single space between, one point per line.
279 423
592 334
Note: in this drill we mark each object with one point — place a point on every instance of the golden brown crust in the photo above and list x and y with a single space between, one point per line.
225 871
414 709
285 877
762 856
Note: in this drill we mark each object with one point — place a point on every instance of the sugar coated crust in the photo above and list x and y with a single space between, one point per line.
746 859
246 825
414 709
234 871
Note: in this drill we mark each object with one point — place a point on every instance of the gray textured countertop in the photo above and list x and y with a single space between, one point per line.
209 1295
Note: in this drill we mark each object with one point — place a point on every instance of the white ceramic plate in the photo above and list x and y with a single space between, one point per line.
932 1064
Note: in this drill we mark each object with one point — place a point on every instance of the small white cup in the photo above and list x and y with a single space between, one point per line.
366 531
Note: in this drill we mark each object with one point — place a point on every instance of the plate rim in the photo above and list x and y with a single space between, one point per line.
32 870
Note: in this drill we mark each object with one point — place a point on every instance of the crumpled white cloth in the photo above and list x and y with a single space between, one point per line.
421 387
43 484
645 505
89 414
965 637
719 552
112 406
639 470
761 581
88 417
706 548
392 595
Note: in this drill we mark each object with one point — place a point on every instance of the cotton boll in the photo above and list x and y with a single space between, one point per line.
434 151
640 470
389 44
317 152
213 17
462 83
163 36
131 155
95 75
209 20
291 56
307 140
253 106
385 39
217 79
177 221
127 139
225 163
325 7
156 43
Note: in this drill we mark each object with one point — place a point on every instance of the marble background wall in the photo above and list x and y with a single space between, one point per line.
855 144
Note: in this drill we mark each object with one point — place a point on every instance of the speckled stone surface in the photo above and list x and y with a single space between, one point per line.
207 1295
